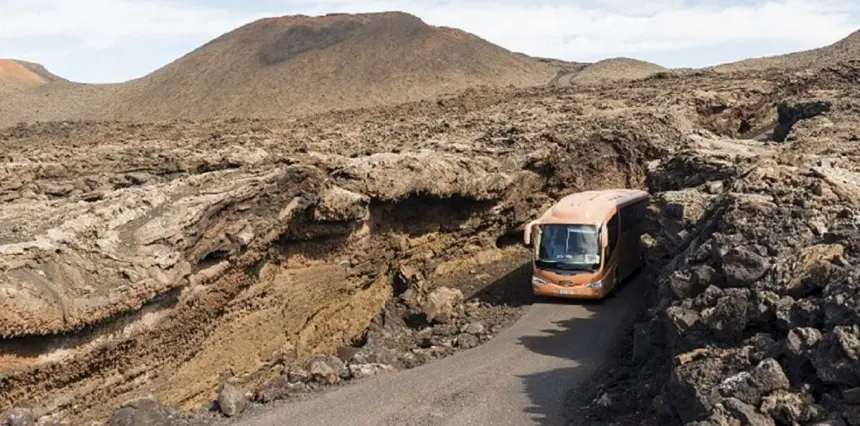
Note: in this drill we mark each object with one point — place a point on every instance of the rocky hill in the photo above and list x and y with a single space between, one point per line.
18 75
615 69
754 250
280 67
843 50
284 66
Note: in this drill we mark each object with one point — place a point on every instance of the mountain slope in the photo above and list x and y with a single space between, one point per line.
283 66
615 69
16 75
847 48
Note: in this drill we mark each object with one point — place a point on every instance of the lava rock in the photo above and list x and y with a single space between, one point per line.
851 396
231 400
789 113
360 371
467 341
445 330
802 340
728 319
377 354
747 414
683 326
278 388
830 422
662 407
681 284
326 369
298 375
764 346
144 412
742 267
441 304
790 408
474 328
691 388
19 417
337 205
751 386
836 357
704 276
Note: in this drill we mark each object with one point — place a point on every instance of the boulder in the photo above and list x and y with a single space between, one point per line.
683 326
747 414
728 318
790 408
441 304
326 369
691 388
144 411
684 284
742 267
19 417
836 357
231 400
298 375
752 385
467 341
360 371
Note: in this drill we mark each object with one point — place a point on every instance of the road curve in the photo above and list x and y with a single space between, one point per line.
564 80
519 377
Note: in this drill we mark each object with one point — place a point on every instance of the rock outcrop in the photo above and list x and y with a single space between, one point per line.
755 320
140 259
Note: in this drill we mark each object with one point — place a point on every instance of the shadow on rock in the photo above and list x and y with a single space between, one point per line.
513 289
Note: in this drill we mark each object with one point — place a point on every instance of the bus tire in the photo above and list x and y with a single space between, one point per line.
614 289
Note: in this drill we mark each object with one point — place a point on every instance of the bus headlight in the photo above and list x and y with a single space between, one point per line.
536 280
595 284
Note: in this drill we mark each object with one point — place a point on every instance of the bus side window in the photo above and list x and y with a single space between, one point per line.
612 227
633 215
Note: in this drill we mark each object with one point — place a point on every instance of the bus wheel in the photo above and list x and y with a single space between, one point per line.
614 289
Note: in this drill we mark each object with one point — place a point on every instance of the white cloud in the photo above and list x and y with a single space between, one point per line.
611 27
103 23
575 30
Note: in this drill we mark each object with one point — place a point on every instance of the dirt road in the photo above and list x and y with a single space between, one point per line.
520 377
564 80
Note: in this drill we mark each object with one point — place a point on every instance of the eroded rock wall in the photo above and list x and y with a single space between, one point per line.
757 246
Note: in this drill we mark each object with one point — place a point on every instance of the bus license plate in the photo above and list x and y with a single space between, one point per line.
563 291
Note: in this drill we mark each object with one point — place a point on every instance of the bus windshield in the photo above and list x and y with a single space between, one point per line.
566 246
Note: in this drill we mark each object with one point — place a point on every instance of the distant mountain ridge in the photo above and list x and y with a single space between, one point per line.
20 75
296 65
844 49
277 67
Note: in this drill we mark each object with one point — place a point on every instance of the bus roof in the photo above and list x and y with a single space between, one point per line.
590 207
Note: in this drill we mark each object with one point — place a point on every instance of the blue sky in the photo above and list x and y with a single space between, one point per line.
100 41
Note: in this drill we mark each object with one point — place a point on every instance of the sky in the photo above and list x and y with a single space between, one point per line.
105 41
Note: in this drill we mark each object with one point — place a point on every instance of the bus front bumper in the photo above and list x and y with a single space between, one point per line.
575 292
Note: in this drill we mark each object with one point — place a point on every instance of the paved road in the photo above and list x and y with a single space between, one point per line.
520 377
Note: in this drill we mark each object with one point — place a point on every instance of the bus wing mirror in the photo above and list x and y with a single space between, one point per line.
527 233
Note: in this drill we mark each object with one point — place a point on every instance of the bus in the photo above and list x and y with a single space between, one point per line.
587 243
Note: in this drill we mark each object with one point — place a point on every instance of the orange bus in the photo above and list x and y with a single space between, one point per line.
587 243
